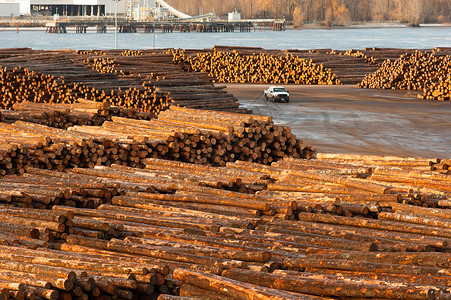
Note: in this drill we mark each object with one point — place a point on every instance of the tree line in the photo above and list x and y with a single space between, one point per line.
328 12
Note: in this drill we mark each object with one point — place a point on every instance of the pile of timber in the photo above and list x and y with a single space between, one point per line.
349 67
440 90
379 55
221 241
80 194
443 166
207 137
23 225
83 112
427 71
103 65
351 185
183 134
185 89
61 274
356 53
235 67
21 84
399 262
131 53
127 87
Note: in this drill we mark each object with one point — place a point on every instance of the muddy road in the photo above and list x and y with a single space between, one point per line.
343 119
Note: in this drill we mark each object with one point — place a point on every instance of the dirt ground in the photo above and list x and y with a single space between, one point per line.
344 119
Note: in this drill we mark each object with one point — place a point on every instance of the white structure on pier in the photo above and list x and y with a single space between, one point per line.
10 8
234 16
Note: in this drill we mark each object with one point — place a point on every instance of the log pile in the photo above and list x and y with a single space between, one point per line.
131 53
427 71
337 226
185 89
203 137
356 53
440 90
349 67
127 85
21 84
379 55
82 112
59 115
235 67
183 134
61 274
399 262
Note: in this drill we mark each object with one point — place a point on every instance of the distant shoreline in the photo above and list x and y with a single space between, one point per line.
288 27
363 26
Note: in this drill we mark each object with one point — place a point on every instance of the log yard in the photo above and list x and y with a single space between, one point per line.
145 174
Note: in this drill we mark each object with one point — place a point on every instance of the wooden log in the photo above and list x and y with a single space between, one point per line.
170 297
419 259
232 288
188 290
364 266
376 224
328 287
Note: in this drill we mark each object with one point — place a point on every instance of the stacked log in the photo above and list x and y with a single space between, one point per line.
189 90
348 69
356 53
181 134
416 71
442 166
440 90
55 274
83 112
197 90
104 65
249 137
202 137
391 268
131 53
90 52
379 55
185 89
351 66
21 84
59 115
347 185
35 191
32 145
225 232
256 68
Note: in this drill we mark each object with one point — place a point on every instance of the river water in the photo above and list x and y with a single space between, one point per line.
338 38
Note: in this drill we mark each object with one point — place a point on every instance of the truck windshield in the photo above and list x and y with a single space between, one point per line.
279 90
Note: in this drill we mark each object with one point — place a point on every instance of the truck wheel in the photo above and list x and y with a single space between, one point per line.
288 100
266 98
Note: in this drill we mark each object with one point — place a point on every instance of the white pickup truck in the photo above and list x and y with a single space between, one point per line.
277 93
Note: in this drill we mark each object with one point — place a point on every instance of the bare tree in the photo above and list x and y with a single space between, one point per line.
339 11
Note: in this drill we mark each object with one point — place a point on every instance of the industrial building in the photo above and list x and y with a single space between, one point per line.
132 9
10 8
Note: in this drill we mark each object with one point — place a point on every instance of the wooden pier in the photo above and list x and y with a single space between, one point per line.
128 26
